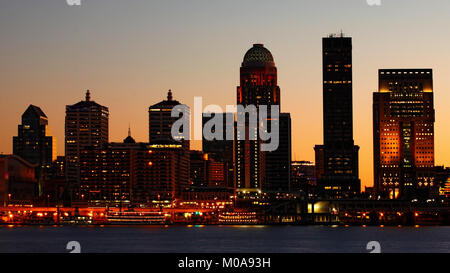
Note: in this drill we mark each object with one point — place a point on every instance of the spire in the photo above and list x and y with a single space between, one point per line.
169 95
88 95
129 139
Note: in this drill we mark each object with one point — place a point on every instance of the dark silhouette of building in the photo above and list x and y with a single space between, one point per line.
134 173
34 143
278 162
55 186
258 86
18 183
403 118
442 177
337 158
161 120
86 125
205 171
303 177
198 169
221 150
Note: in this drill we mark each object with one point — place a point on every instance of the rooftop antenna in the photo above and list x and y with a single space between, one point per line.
88 95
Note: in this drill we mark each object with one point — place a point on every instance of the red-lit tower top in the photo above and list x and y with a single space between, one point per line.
258 81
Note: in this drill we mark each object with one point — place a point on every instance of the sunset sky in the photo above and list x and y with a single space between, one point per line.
130 52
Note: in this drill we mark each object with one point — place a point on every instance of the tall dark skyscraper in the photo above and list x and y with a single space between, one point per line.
258 86
337 158
86 126
161 140
34 142
403 119
278 162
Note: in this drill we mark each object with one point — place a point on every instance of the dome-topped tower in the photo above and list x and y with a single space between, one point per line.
258 55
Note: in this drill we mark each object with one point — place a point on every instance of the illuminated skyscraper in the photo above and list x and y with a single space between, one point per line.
258 86
337 158
86 126
403 119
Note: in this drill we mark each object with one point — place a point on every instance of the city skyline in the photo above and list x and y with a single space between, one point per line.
110 86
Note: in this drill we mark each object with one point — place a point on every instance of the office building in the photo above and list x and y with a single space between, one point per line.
403 133
337 159
86 125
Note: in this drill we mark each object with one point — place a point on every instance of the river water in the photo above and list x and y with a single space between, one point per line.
223 239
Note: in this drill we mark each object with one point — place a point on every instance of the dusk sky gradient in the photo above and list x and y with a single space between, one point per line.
130 52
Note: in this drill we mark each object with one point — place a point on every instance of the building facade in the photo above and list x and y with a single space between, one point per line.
278 162
18 183
403 118
205 171
221 150
161 121
134 173
258 86
337 159
34 142
303 177
86 125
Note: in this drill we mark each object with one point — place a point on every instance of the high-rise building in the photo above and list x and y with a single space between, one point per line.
86 125
403 119
34 142
161 120
258 86
221 150
278 162
337 158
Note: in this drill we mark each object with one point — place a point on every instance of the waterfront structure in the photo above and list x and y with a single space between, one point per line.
403 118
34 142
221 150
258 86
86 125
18 183
337 159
